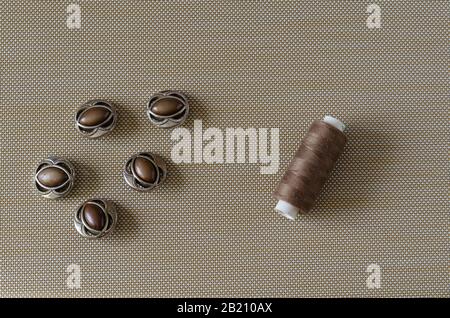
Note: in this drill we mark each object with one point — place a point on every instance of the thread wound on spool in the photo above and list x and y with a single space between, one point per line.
309 170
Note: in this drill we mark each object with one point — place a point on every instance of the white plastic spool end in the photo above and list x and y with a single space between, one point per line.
334 122
287 210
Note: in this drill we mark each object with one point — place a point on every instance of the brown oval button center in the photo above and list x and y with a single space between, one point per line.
145 169
52 177
94 216
94 116
166 107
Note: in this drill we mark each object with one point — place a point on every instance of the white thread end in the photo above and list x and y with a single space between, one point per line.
334 122
287 210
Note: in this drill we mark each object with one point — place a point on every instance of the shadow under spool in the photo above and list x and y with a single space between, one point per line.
311 167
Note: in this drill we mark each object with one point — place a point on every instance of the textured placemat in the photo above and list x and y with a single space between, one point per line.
211 229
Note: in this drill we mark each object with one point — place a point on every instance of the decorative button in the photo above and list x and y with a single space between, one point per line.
145 171
167 109
54 177
95 218
95 118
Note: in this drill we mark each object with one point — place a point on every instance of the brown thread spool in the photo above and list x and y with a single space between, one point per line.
311 167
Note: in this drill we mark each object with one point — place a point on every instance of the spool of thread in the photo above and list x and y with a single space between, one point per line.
311 167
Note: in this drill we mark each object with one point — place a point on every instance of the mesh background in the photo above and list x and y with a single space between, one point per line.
211 230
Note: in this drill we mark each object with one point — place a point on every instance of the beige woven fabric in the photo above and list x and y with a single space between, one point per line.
211 229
